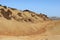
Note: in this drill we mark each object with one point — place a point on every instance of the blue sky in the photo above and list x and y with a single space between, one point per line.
48 7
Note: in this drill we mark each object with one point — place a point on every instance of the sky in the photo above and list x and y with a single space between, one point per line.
48 7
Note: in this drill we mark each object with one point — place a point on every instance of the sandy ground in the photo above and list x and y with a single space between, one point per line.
45 36
55 37
23 38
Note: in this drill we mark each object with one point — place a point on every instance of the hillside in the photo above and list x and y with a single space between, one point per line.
14 22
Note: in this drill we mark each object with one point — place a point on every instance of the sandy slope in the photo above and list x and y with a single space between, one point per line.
27 25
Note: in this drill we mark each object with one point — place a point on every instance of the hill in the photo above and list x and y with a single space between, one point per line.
14 22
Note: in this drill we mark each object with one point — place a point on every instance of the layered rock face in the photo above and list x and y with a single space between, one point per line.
15 22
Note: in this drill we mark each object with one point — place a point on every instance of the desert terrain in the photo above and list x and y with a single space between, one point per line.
27 25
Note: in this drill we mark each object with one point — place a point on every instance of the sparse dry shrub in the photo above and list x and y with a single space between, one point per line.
25 20
16 18
5 7
9 13
43 15
30 20
32 15
12 8
26 10
29 11
6 14
0 5
0 15
19 14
